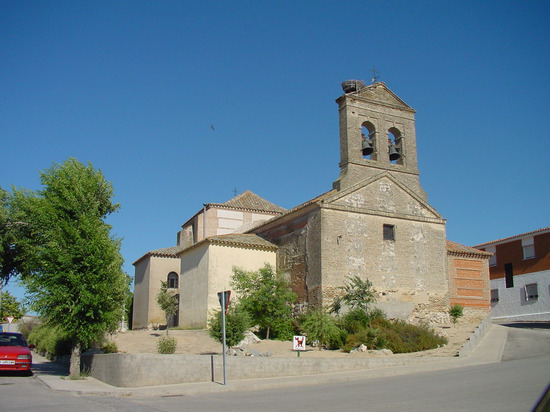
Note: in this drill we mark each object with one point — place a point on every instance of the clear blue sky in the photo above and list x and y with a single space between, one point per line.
134 87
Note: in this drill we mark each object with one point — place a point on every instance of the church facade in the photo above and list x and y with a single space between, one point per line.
375 223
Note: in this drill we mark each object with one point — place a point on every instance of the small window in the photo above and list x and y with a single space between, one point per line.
494 296
389 232
531 292
172 280
528 248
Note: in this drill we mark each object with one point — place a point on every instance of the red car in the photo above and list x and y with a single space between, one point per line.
15 354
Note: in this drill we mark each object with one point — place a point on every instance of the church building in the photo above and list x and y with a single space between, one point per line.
375 223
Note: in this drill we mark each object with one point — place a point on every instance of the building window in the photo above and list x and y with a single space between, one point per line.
494 295
531 292
493 258
509 274
389 232
172 280
528 248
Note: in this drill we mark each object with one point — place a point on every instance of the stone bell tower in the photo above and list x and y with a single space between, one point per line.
377 134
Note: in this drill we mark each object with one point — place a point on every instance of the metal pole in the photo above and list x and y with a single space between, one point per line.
223 333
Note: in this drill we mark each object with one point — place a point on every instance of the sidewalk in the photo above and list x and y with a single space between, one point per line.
488 350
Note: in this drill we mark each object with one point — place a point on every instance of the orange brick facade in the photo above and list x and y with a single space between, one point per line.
469 283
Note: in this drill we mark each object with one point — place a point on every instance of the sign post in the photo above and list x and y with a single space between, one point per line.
299 344
223 297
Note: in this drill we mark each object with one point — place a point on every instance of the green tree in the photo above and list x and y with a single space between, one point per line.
70 263
168 302
8 244
9 306
357 294
237 321
267 297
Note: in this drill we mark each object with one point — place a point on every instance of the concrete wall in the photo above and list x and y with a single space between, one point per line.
138 370
512 303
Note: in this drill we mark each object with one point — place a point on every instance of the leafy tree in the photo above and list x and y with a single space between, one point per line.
357 294
267 297
8 244
319 325
9 306
69 262
168 302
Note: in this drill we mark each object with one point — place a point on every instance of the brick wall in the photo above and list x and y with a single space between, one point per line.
469 281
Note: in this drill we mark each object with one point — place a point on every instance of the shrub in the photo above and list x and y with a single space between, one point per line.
372 338
357 294
50 340
167 345
109 347
403 337
237 321
456 311
354 321
320 326
26 326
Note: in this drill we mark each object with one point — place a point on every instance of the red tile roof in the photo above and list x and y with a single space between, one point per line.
458 249
534 232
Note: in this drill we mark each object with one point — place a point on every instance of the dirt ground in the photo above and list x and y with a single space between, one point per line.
199 342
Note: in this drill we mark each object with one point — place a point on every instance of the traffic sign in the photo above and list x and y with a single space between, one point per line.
9 319
225 295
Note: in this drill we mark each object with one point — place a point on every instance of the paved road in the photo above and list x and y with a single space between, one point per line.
512 385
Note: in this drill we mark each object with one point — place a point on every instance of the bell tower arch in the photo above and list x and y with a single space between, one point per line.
377 134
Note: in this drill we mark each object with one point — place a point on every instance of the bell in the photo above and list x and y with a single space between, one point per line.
367 147
394 153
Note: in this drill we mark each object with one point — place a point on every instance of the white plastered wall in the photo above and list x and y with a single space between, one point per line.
512 303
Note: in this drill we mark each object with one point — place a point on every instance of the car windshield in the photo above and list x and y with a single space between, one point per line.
7 339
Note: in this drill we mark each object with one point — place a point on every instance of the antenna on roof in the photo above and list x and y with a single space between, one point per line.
375 75
235 192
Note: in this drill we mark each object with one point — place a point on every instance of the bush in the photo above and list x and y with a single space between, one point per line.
237 321
372 338
109 347
51 341
167 345
354 321
456 311
403 337
26 326
320 326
